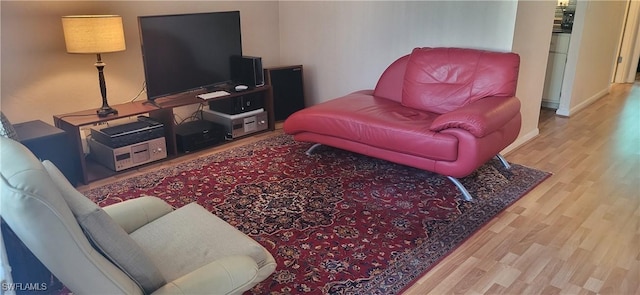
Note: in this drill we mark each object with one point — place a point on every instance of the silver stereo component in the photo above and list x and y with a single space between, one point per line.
240 124
125 157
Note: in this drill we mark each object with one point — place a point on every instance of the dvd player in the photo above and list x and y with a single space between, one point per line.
195 135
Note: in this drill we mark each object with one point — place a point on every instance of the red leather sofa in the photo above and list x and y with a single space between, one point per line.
445 110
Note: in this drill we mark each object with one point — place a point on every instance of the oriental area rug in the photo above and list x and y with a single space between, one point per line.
336 222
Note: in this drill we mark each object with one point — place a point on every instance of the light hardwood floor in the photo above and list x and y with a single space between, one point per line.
576 233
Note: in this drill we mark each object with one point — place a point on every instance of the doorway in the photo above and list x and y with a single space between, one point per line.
628 63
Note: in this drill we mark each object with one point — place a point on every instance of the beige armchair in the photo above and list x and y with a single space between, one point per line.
140 246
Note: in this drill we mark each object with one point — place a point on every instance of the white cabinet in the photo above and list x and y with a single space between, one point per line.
555 70
553 80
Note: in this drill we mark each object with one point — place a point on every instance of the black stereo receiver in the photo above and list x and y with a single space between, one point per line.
237 105
195 135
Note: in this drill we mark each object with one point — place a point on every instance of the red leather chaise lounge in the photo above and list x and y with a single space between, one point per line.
445 110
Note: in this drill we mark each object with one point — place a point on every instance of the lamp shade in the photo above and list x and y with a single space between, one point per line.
93 33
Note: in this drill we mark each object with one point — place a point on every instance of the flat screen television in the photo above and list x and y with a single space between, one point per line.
187 52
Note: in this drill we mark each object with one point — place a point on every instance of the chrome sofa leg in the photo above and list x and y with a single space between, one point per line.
465 193
312 148
503 161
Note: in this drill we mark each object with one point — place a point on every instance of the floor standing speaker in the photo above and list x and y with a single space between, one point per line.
288 92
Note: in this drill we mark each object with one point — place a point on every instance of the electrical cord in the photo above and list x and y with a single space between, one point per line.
197 115
144 88
79 115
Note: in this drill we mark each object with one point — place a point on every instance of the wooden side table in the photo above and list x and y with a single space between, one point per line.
50 143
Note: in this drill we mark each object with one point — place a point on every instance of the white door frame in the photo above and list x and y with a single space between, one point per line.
629 46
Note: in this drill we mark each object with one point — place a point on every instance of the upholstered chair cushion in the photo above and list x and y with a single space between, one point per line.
178 252
107 235
441 80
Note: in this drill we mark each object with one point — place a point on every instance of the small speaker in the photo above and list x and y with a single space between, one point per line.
288 91
247 70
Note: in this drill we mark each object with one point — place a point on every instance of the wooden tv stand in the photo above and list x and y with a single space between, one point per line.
161 110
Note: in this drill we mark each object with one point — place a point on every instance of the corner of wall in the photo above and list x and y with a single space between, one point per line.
567 112
521 140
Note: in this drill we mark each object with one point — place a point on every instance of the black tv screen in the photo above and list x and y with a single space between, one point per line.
186 52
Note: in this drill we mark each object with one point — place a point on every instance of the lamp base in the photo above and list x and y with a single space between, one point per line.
106 111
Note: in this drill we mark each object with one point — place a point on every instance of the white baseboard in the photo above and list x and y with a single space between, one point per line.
550 104
521 140
566 112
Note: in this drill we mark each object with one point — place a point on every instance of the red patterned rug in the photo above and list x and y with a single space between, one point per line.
336 222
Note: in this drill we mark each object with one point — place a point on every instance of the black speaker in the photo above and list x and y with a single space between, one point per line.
247 70
50 143
288 92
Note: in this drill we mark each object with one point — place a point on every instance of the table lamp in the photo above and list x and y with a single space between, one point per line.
95 34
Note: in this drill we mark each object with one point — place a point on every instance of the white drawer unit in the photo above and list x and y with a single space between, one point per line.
560 42
555 70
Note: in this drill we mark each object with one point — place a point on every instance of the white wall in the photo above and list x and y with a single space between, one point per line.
39 79
344 46
531 40
592 54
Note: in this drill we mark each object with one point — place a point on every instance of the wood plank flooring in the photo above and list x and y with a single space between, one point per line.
576 233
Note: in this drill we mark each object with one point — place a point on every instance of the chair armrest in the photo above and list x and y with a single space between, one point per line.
480 117
133 214
229 275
